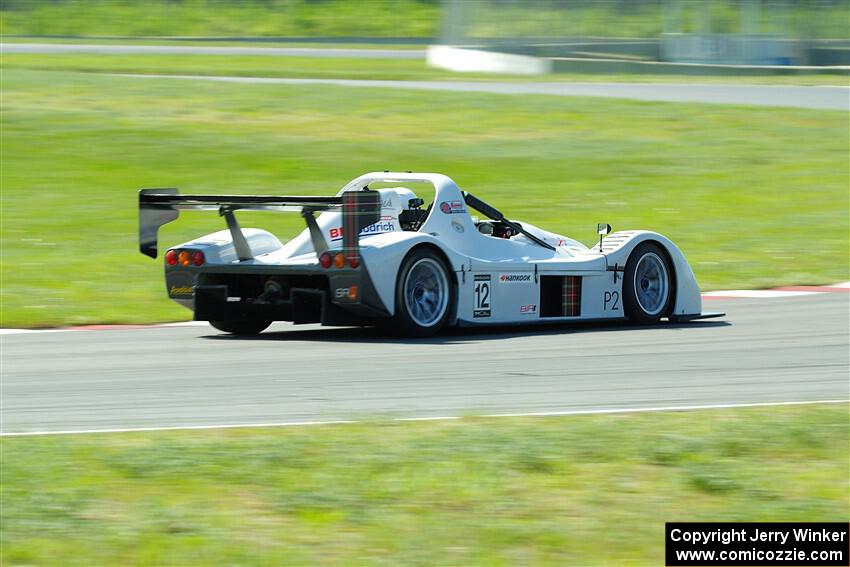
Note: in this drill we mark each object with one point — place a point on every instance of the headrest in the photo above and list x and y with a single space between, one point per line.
394 200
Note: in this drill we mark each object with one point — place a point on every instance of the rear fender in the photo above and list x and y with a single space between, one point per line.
218 246
383 254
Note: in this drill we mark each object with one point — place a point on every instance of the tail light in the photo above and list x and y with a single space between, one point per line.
185 258
338 260
171 257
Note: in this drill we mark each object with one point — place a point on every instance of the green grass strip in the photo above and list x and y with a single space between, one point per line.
288 18
755 197
584 490
353 68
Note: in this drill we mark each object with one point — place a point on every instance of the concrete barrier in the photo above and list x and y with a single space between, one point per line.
476 60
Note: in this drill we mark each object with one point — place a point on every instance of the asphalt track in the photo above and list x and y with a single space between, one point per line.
788 349
820 97
110 49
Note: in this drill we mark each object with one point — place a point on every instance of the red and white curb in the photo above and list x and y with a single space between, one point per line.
787 291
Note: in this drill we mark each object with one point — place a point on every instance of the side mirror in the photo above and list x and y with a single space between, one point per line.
602 229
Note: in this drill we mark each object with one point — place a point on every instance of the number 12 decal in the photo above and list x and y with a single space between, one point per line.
481 296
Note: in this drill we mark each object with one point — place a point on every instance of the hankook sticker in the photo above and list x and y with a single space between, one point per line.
515 278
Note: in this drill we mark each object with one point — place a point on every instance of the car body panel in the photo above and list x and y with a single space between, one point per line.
497 280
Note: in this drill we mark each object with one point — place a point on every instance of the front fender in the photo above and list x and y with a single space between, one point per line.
618 246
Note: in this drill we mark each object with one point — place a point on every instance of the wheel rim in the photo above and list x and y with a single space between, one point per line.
650 284
426 292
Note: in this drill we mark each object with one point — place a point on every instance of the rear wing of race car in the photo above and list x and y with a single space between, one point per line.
161 206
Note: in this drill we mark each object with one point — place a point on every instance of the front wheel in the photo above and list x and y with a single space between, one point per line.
424 294
241 327
647 284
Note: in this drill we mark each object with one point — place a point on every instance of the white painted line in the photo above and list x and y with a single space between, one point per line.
758 293
845 285
23 331
563 413
128 327
668 408
174 428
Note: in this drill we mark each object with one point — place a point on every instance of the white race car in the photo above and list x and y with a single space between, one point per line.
376 254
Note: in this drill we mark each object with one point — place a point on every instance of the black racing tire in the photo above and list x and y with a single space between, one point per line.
425 294
241 327
647 284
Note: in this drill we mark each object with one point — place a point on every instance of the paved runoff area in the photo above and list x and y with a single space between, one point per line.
787 346
817 97
112 49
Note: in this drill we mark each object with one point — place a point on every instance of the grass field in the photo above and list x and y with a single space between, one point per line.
404 18
352 68
318 42
591 490
754 196
233 18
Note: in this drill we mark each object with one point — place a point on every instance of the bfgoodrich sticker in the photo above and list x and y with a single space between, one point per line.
384 225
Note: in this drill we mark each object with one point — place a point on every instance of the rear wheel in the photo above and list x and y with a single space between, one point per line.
647 284
241 327
424 294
